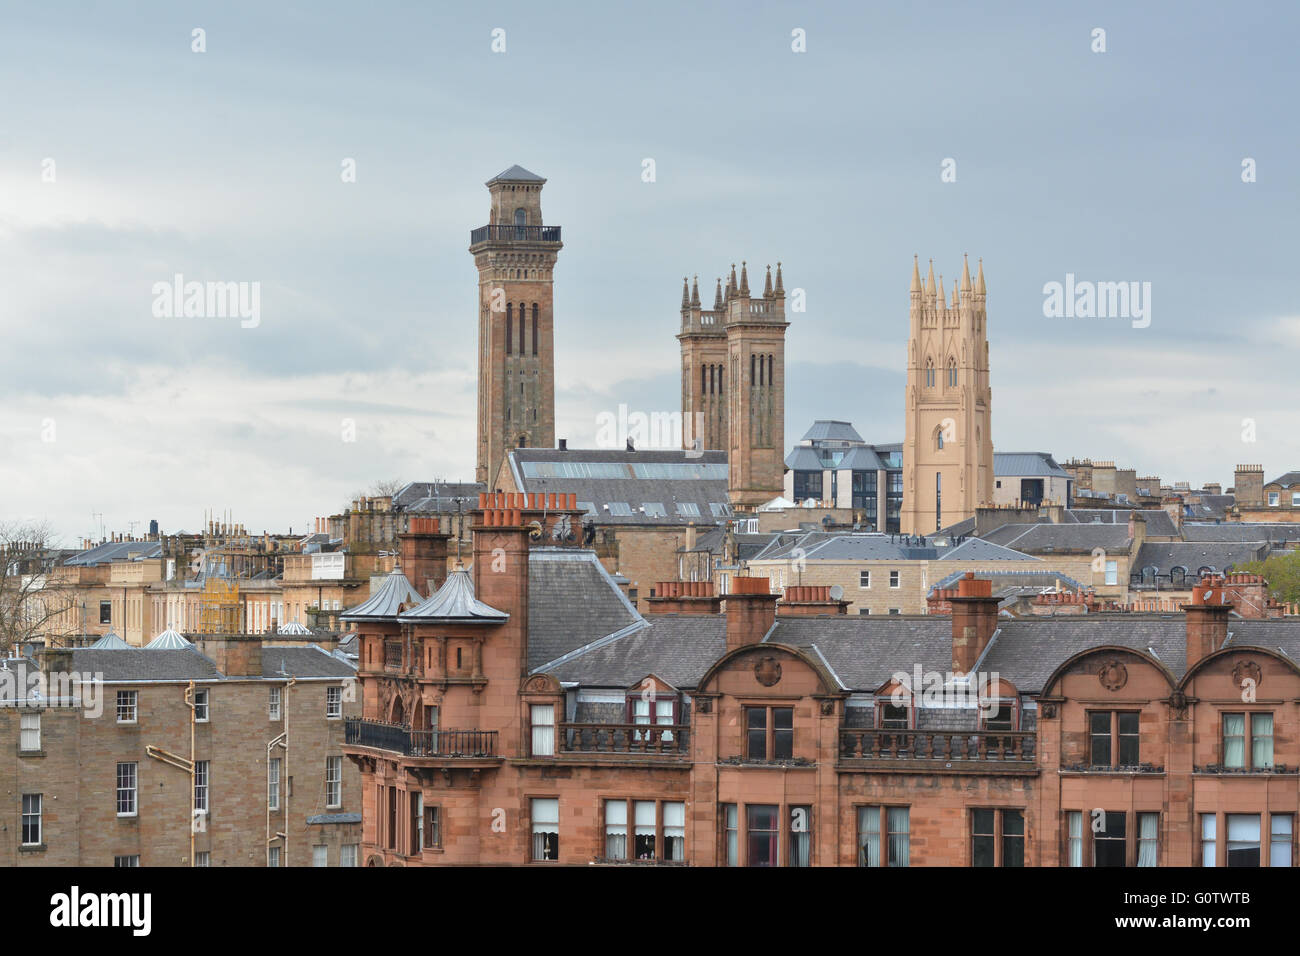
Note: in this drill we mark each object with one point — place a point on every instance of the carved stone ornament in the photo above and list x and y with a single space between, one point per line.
828 708
1113 674
1246 670
767 671
538 685
704 705
1178 704
1049 711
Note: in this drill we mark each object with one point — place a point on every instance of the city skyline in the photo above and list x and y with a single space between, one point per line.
1115 166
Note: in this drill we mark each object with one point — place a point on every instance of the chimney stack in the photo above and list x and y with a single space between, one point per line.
974 619
751 611
683 597
809 600
1207 618
424 554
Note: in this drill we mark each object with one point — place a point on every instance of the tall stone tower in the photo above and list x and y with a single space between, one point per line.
515 255
733 381
948 451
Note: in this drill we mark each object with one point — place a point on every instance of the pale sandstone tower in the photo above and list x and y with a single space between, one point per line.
733 376
515 255
948 451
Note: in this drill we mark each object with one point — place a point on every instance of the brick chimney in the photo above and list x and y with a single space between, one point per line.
683 597
236 655
808 600
751 611
1207 618
974 619
424 554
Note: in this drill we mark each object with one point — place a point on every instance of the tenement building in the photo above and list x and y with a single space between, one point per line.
224 753
527 714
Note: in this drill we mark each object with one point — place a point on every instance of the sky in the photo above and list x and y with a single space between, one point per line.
128 157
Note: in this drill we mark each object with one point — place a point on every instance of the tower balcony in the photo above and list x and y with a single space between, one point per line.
510 233
399 739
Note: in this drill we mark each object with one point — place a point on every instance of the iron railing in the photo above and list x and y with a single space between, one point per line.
401 739
515 234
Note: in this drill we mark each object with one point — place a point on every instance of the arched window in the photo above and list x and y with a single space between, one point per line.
929 373
938 438
510 326
521 220
770 369
704 379
522 310
534 328
952 372
752 357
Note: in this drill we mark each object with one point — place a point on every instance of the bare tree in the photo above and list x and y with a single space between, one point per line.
34 602
387 488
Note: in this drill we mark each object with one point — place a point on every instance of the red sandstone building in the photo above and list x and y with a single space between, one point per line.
524 713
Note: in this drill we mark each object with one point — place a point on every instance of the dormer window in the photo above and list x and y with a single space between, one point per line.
1000 715
892 715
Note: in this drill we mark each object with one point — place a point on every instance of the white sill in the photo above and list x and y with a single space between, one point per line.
120 721
128 816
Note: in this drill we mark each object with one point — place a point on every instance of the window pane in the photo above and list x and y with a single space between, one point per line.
869 836
899 838
1261 740
1234 740
1208 838
1013 838
616 829
1148 838
1109 844
982 837
1075 818
674 831
1243 839
730 822
1099 735
543 721
783 734
546 829
762 825
756 734
1279 850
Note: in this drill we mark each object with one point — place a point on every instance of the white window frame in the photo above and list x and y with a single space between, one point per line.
1112 572
349 853
541 721
895 579
273 767
273 856
202 705
320 855
29 732
133 789
26 814
333 782
333 703
203 858
273 709
1273 499
202 784
864 580
128 701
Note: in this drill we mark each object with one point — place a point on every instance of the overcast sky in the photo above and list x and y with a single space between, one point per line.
226 166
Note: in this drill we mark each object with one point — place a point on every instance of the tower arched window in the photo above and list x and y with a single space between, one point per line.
534 328
510 326
521 220
929 373
522 340
752 358
704 379
770 367
952 372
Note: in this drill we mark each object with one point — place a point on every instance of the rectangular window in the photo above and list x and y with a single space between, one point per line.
333 782
730 835
127 706
273 783
542 717
762 823
203 858
433 827
126 861
1295 499
415 801
674 831
1113 738
1209 842
545 814
1074 830
105 612
1243 839
201 705
348 854
1126 726
1148 839
320 856
887 826
997 838
643 829
1248 751
31 819
1110 842
273 704
758 744
126 789
1273 499
800 836
333 703
864 579
29 735
893 579
1112 572
273 856
1279 844
891 716
201 778
616 829
756 733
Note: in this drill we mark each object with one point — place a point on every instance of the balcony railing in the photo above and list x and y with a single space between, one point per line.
401 739
651 739
515 233
965 746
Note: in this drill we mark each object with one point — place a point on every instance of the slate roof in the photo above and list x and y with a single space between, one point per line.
515 174
849 546
1007 579
803 458
601 477
139 664
1035 538
439 497
1210 507
115 551
110 642
1287 480
1241 531
860 459
572 603
385 604
678 648
977 549
1193 555
865 652
1158 521
1027 464
825 429
310 661
169 640
454 602
1026 652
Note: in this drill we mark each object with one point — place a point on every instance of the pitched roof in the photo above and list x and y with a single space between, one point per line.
109 642
1194 555
168 640
1035 538
115 551
454 601
1241 531
386 602
679 648
977 549
515 174
439 497
572 603
310 661
826 429
1287 480
138 664
1027 463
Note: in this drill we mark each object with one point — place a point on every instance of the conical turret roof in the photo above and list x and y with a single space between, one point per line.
455 601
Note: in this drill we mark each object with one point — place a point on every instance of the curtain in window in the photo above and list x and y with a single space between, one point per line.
1279 853
1243 839
616 829
1148 835
899 838
1208 832
730 824
869 836
543 730
674 831
1261 740
546 829
1234 740
1076 838
644 829
801 837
